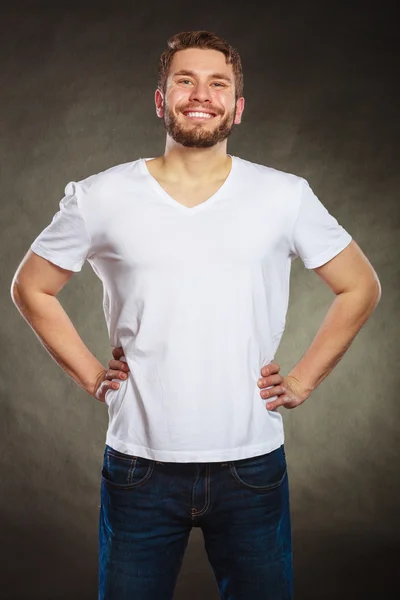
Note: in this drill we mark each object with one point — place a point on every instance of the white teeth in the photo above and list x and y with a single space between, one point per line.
199 114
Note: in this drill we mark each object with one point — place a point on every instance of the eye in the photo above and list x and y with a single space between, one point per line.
218 83
184 81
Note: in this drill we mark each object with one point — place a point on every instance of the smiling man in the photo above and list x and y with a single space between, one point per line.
194 250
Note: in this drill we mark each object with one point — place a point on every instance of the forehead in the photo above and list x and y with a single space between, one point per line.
201 61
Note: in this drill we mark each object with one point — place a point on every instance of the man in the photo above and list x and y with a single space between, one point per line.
194 249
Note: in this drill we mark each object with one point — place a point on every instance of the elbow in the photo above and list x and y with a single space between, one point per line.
376 290
14 292
18 294
18 299
15 287
371 289
372 295
367 295
379 290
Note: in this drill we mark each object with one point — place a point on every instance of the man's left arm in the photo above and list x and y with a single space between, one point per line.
352 278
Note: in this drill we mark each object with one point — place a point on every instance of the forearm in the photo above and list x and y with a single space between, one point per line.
44 313
347 314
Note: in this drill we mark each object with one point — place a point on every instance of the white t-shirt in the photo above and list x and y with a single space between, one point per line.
197 298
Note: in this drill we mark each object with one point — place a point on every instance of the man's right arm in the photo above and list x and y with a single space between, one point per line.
34 287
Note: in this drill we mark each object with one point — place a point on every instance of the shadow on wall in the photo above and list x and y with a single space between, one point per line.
341 566
40 561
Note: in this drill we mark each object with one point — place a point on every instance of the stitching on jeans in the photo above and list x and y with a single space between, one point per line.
131 470
194 487
124 486
257 487
207 494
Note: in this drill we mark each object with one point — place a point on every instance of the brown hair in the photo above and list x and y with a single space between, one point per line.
204 40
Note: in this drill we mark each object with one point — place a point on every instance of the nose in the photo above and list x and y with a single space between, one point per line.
200 93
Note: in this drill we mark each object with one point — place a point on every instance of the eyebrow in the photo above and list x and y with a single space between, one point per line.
212 76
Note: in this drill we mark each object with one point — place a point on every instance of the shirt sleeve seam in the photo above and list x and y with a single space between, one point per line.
315 261
49 253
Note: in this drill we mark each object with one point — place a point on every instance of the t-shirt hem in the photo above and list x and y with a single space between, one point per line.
321 259
38 249
186 456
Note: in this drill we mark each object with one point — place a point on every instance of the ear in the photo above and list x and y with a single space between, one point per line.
239 111
159 100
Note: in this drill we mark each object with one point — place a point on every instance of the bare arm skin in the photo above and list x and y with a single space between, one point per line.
35 285
356 285
351 277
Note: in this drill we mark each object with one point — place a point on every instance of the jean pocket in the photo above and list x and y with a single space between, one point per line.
264 472
125 471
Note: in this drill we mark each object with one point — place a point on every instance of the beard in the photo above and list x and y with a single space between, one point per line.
195 135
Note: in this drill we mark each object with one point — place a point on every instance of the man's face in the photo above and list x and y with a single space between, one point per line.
199 108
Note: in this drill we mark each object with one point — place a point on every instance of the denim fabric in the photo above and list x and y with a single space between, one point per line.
148 509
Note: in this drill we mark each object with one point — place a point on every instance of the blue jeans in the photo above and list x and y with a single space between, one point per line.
148 509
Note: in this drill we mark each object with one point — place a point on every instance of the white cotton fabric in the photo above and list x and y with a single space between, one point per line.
197 297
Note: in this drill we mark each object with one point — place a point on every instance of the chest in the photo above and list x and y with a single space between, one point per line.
150 232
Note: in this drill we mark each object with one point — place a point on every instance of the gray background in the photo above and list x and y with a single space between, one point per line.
77 86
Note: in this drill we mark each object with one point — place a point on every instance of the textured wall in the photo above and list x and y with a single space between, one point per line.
77 90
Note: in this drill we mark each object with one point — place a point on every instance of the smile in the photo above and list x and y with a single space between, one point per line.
198 115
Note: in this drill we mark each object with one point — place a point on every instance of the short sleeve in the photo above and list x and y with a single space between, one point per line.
317 235
65 241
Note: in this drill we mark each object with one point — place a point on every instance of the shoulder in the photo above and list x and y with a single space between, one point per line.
112 179
280 181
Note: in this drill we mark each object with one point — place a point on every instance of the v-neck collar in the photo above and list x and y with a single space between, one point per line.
160 190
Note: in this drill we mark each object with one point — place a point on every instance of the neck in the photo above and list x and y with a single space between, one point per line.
195 164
